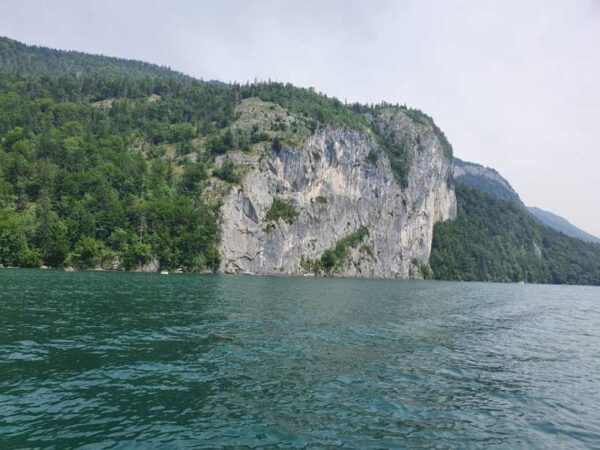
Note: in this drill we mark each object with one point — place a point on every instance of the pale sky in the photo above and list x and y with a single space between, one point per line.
515 85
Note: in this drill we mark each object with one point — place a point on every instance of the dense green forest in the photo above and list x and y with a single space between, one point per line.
92 163
495 240
82 184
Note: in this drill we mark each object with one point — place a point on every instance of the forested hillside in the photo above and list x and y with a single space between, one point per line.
20 59
495 240
83 182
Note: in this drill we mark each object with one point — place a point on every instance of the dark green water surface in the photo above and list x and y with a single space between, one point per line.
117 360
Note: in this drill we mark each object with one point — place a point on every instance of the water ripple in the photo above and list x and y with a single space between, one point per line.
110 361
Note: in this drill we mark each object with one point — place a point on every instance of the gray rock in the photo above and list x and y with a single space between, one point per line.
332 165
150 266
485 179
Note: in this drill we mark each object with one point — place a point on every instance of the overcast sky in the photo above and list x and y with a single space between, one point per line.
515 85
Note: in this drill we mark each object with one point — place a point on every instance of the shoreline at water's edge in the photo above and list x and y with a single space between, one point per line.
282 275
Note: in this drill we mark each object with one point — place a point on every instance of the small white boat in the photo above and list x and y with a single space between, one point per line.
164 272
308 275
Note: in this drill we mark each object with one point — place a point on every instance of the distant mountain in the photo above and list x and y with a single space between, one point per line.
485 179
560 224
17 58
490 182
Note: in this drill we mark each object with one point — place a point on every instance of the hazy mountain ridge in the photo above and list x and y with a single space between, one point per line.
489 181
561 224
485 179
496 238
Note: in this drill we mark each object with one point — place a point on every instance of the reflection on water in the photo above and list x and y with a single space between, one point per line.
116 360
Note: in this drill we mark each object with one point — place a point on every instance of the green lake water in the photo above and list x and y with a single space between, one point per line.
100 360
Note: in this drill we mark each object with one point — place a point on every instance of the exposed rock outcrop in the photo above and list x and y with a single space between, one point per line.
337 181
485 179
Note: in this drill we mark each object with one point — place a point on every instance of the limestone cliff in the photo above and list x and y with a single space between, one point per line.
338 181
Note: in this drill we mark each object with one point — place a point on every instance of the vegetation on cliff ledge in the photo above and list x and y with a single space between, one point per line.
280 209
336 256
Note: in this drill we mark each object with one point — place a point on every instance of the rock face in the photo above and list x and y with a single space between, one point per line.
485 179
339 180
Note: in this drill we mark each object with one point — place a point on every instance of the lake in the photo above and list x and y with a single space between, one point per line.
100 360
